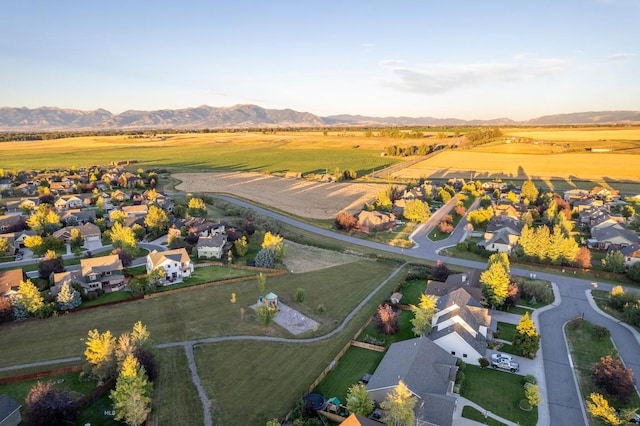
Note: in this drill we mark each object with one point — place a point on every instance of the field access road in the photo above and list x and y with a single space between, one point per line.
563 398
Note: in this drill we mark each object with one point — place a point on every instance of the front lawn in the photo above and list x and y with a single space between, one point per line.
348 371
506 331
499 392
471 413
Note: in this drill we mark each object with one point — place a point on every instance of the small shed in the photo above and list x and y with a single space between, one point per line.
271 299
395 298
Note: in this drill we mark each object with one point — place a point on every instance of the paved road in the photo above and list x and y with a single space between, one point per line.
563 398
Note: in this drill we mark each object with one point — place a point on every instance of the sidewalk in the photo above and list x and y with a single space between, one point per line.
458 420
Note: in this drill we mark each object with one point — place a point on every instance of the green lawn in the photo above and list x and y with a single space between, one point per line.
412 290
586 349
404 333
348 371
209 274
107 298
507 331
471 413
499 392
70 381
198 313
437 235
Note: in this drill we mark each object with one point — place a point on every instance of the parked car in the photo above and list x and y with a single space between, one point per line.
18 257
504 364
498 357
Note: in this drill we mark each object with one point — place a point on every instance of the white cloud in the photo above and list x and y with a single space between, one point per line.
445 77
622 56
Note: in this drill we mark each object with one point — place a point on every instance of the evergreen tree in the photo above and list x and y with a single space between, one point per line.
68 297
527 339
264 258
132 394
19 312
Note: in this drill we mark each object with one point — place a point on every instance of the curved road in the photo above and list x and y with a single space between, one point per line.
564 400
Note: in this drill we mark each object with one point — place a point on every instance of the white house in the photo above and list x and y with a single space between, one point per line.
176 263
211 247
631 255
461 326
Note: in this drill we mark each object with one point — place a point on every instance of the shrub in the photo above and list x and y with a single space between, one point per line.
601 332
459 378
299 296
535 289
612 377
530 379
321 308
484 363
266 314
386 320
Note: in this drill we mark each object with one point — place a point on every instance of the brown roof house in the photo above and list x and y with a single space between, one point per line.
10 281
176 263
375 221
428 371
461 326
97 273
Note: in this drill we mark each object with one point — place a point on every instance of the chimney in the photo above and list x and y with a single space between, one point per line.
464 278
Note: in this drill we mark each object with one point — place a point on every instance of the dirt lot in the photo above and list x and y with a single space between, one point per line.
300 258
303 198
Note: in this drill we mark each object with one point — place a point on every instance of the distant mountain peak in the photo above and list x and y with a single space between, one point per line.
254 116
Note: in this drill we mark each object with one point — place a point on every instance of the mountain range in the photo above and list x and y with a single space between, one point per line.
253 116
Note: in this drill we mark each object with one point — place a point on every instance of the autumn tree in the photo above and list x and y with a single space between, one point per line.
29 297
6 310
358 400
480 217
44 220
398 406
241 246
35 243
386 319
275 244
495 283
383 200
423 314
583 258
346 222
5 247
100 353
598 406
46 405
501 258
529 191
118 216
123 237
532 393
417 211
132 394
527 339
196 207
68 297
156 220
612 377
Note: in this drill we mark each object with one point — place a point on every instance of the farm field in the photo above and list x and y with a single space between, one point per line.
599 167
582 134
315 200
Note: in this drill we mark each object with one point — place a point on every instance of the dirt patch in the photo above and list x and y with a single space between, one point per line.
316 200
300 258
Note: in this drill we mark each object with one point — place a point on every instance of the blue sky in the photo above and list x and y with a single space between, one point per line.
463 59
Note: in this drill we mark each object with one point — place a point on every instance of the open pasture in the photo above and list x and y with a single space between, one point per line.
582 134
303 152
597 167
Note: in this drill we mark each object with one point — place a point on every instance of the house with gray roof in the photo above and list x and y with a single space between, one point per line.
461 326
631 254
9 411
427 370
97 273
611 233
469 280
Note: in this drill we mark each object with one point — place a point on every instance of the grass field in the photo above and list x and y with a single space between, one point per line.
582 134
200 312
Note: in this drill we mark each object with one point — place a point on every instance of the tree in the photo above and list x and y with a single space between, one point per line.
262 282
417 211
532 393
346 222
529 191
118 216
613 262
398 406
598 406
264 258
527 339
156 275
445 227
423 314
156 220
386 320
358 400
100 353
5 247
241 246
275 244
6 310
147 359
30 297
495 283
125 256
46 405
480 217
628 211
612 377
132 394
501 258
35 243
266 313
68 297
123 237
50 264
383 200
583 258
439 272
634 272
196 207
44 220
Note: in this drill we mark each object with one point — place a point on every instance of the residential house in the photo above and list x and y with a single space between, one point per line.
176 263
593 215
62 187
514 211
77 216
16 206
136 211
375 221
631 254
203 227
611 233
605 194
5 184
12 223
10 281
97 273
119 195
16 239
91 235
212 247
469 280
427 370
398 207
67 202
461 326
502 234
9 411
574 195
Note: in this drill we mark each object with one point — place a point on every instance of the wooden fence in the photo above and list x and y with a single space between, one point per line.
368 346
41 374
